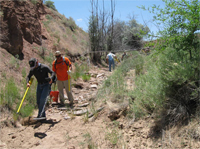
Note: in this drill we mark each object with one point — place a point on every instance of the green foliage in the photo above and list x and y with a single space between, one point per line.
115 85
181 20
23 72
149 93
10 97
27 110
34 2
86 77
14 62
81 71
42 51
171 81
50 4
88 139
72 23
168 84
10 94
49 17
49 58
74 38
133 34
56 34
113 136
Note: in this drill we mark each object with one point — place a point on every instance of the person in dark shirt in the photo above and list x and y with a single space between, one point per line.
124 56
41 73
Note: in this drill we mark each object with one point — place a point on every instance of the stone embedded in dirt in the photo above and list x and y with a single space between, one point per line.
38 143
80 112
93 86
80 97
62 109
67 117
100 75
76 91
76 100
83 105
93 75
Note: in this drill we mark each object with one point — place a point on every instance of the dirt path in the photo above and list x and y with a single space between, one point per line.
63 127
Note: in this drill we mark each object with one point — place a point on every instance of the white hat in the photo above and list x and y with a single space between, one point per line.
57 53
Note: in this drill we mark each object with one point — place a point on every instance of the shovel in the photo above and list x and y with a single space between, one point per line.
30 82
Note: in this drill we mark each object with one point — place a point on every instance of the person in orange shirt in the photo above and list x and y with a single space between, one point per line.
62 67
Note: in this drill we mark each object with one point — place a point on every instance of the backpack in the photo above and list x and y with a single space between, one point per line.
60 62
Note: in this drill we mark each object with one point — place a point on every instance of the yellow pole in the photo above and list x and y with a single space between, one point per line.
30 82
68 80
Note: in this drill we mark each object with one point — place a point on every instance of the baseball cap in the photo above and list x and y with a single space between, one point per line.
57 53
32 62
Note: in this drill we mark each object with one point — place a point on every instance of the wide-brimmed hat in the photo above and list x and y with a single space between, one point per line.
32 62
57 53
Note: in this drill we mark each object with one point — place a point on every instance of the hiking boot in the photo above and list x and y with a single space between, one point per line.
40 118
62 104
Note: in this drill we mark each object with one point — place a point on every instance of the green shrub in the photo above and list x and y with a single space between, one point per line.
50 4
113 136
34 2
14 61
10 94
168 85
86 77
81 71
72 23
49 58
49 17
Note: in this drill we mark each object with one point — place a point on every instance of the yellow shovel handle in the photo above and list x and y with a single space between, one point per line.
68 80
30 82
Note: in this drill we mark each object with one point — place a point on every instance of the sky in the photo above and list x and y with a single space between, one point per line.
80 11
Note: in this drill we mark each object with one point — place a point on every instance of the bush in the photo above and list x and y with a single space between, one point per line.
10 98
50 4
168 87
81 71
10 95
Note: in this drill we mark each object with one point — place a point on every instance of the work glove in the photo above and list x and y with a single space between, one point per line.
69 72
48 79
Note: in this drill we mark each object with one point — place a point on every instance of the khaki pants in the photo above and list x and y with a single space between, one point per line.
64 84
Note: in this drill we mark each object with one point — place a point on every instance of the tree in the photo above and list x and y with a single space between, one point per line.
134 33
181 19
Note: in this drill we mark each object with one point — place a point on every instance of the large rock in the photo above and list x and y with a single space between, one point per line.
20 19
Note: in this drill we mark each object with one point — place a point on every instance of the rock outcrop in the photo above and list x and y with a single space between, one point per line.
20 20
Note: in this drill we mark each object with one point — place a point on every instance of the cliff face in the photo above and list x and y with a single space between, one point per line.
20 20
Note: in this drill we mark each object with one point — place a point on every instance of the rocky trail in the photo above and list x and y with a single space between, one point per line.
65 127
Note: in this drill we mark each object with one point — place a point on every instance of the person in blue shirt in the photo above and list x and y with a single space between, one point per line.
110 60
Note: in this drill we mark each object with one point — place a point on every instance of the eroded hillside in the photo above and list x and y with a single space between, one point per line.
31 29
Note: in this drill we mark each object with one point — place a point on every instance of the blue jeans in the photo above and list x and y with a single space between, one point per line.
111 62
42 93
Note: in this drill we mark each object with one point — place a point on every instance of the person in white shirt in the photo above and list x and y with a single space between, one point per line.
110 60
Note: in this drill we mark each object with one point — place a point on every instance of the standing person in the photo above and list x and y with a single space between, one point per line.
110 59
62 67
124 56
41 73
